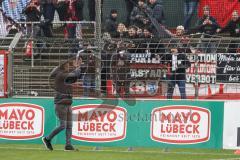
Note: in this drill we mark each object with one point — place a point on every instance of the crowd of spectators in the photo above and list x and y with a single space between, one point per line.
145 20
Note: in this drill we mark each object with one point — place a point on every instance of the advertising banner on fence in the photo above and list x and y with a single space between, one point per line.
231 132
206 68
99 123
181 124
3 73
228 68
119 123
21 121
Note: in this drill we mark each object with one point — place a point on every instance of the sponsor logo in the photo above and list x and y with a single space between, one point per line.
180 124
144 87
152 87
20 121
99 123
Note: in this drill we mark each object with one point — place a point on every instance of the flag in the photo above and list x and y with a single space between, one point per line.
14 8
220 9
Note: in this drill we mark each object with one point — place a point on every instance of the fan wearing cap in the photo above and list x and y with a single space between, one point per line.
184 46
209 26
177 64
111 23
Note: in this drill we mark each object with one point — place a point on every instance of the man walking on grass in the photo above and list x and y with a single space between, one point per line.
61 79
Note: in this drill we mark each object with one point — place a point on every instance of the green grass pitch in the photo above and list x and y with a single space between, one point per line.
38 152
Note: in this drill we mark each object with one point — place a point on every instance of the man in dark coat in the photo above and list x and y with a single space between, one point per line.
190 6
111 23
209 26
177 63
120 71
233 27
138 15
157 11
129 7
61 79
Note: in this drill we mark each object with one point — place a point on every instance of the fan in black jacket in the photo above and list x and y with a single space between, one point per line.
177 64
209 26
111 23
233 27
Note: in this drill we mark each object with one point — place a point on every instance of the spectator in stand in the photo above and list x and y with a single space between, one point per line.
233 27
183 40
129 6
147 33
157 11
111 23
61 8
13 30
71 16
132 32
178 63
120 70
121 31
92 10
157 20
139 32
79 4
33 14
190 6
138 15
209 26
3 24
48 9
89 77
180 30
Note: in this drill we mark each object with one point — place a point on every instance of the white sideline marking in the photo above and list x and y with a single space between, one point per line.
227 159
156 152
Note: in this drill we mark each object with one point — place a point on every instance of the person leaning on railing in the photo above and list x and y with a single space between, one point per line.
121 31
33 14
207 25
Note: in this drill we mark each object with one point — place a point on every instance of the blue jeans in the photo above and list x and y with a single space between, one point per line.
48 11
189 8
182 88
88 84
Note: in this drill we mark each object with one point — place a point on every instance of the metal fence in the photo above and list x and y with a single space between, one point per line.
130 68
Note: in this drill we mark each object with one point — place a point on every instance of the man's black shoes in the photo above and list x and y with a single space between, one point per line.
69 148
47 143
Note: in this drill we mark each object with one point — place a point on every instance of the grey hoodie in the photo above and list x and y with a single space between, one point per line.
61 81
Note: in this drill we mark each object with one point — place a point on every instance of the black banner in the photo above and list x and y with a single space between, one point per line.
228 68
146 66
203 68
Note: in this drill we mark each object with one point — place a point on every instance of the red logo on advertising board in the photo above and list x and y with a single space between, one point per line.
21 121
99 123
180 124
